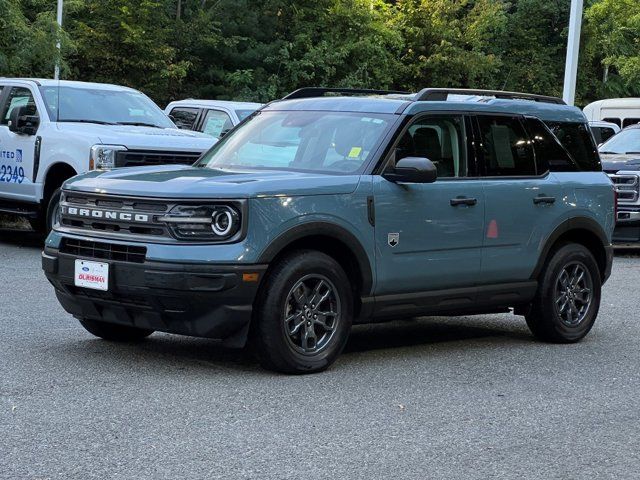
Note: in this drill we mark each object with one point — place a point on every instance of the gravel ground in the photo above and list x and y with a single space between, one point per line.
469 398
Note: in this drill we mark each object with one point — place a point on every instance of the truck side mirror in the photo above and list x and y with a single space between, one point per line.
412 170
21 123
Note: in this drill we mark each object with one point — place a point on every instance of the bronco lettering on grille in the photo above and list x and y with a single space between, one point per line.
106 214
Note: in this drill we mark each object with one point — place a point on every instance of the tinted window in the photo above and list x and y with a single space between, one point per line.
216 122
577 139
439 138
19 97
550 154
630 121
613 120
602 134
184 118
505 147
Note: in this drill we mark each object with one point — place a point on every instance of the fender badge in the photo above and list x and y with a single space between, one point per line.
393 239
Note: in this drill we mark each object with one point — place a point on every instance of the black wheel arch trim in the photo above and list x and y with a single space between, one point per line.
327 229
577 223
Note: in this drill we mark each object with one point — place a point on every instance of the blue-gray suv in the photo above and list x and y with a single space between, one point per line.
334 207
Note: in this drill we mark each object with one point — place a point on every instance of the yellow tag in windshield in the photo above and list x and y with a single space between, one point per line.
355 152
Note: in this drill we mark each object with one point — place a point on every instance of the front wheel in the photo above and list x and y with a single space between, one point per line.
303 314
568 298
114 332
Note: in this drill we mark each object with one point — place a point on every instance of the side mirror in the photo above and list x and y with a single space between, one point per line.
21 123
412 170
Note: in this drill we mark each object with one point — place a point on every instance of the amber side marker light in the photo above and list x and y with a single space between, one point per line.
250 277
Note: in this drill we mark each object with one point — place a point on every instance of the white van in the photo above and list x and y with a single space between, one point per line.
51 131
621 111
211 117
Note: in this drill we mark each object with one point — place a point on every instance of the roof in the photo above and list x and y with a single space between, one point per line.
402 104
217 103
49 82
631 102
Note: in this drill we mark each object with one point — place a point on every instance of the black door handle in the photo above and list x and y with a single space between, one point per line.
463 201
543 199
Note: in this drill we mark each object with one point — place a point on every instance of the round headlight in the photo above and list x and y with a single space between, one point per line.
224 222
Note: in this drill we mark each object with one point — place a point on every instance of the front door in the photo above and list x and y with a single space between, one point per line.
429 236
17 150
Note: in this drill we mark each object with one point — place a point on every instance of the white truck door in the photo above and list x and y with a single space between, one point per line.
17 150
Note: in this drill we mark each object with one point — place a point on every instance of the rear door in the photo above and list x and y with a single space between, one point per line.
17 150
522 199
429 236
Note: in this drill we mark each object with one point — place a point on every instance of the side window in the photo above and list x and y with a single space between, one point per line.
216 122
18 97
630 121
184 118
613 120
577 139
441 139
549 151
605 134
505 147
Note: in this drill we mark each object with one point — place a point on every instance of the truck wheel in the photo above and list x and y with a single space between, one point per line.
568 297
53 210
113 332
303 314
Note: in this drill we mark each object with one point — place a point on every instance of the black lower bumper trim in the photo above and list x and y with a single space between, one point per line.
200 300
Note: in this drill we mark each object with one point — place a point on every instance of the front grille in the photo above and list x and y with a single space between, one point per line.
626 186
139 158
114 215
103 250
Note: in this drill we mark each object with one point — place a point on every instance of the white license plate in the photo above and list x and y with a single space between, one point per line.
93 275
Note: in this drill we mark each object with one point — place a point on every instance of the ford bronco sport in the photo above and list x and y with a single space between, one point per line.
322 211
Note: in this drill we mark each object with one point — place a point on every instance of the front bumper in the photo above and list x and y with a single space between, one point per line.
201 300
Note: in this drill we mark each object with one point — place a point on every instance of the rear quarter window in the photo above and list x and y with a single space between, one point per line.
578 141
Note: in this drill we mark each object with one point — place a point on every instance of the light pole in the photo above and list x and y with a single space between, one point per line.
573 50
56 74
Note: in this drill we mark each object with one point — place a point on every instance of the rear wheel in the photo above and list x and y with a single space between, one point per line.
114 332
568 299
303 314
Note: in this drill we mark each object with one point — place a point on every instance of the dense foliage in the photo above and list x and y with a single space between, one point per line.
260 49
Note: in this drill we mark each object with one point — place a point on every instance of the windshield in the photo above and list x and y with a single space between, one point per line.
242 114
626 141
102 106
332 142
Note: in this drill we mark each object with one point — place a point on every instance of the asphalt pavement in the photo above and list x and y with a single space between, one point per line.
470 398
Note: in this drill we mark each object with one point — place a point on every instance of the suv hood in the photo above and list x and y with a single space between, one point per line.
179 182
141 138
613 163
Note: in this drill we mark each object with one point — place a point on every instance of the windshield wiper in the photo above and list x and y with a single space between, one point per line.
631 153
78 120
139 124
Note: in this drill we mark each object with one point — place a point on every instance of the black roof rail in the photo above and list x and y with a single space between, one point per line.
310 92
440 94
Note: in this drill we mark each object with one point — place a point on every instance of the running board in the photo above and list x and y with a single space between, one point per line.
20 212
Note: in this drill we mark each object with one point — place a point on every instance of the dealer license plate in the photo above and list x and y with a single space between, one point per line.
93 275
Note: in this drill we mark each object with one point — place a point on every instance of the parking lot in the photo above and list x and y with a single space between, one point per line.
472 397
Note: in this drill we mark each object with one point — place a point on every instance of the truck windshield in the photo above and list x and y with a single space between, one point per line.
332 142
103 106
626 141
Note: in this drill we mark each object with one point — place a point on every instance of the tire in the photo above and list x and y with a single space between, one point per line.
113 332
309 342
53 211
562 312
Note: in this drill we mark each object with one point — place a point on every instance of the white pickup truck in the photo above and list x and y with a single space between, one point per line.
52 130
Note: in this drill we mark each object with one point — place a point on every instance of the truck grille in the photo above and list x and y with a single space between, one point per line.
114 216
627 187
103 250
139 158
